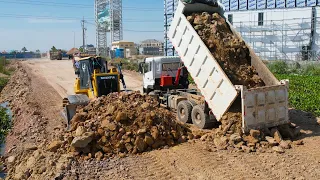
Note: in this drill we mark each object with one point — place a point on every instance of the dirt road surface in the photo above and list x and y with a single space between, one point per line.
60 75
195 159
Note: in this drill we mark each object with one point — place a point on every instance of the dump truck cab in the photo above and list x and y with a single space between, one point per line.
161 73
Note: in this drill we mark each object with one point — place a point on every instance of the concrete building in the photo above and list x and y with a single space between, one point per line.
275 29
151 47
129 48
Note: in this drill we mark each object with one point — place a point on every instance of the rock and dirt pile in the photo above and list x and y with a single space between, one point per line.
230 136
122 124
231 53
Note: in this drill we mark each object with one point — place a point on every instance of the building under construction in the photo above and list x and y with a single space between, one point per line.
275 29
108 15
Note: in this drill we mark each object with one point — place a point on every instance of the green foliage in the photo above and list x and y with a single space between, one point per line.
126 64
3 82
278 67
304 92
5 124
81 49
3 64
24 49
281 67
53 49
312 70
191 81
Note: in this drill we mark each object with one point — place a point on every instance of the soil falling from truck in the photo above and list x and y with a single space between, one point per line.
231 52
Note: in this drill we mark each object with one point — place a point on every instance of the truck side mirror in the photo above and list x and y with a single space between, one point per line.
141 68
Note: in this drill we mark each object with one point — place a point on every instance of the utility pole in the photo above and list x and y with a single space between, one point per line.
83 34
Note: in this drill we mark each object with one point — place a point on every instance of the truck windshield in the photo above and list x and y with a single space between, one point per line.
170 66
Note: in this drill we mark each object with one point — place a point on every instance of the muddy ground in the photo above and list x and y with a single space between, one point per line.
37 105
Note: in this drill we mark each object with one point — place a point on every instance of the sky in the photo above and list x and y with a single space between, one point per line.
41 24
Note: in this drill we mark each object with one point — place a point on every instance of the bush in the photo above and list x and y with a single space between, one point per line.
278 67
5 124
3 64
312 70
304 92
191 81
3 82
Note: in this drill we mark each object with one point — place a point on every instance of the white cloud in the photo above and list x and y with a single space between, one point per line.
47 21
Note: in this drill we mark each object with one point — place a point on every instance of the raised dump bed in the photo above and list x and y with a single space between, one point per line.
264 104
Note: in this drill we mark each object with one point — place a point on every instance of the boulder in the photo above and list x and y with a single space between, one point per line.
277 149
80 130
140 144
276 135
235 138
271 141
82 141
54 146
221 142
11 159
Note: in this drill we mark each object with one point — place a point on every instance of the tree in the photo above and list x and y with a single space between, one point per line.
38 51
53 48
24 49
81 49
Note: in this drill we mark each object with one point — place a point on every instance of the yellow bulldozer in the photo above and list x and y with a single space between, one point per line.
94 80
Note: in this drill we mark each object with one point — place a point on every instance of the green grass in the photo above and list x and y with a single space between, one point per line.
304 92
281 67
3 64
5 124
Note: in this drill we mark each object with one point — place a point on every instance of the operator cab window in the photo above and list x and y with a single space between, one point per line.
230 18
146 67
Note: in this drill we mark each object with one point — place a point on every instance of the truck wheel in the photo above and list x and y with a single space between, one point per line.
184 111
200 119
147 91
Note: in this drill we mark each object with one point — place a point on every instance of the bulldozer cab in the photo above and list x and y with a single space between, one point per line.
94 74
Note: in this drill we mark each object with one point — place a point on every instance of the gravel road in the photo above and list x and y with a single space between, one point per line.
60 75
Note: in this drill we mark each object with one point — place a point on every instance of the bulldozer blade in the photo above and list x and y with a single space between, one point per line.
70 105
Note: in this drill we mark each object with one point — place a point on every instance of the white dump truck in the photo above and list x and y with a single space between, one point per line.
261 107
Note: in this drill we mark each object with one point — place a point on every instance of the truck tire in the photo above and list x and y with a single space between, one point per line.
200 119
184 111
146 91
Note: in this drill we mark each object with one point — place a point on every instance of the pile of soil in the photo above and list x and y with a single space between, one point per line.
231 52
229 136
121 124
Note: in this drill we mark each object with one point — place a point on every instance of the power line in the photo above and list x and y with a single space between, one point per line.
69 5
68 18
129 30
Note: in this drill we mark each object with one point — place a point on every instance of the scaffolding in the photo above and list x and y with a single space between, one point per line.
294 39
170 7
101 30
114 7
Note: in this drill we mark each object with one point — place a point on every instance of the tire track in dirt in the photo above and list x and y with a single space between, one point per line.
148 166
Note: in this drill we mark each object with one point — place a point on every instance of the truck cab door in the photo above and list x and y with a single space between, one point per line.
148 75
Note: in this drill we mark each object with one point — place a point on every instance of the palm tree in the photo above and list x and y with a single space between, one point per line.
38 51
